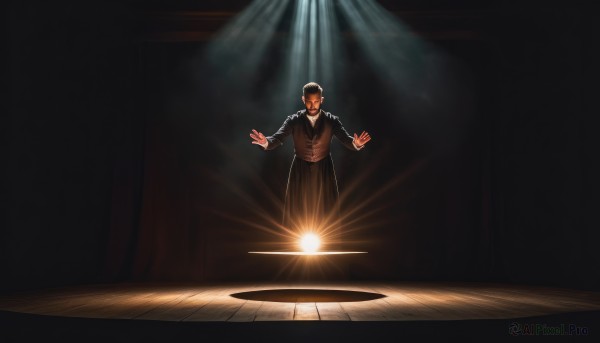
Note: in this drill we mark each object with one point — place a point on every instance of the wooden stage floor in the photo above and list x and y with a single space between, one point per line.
295 302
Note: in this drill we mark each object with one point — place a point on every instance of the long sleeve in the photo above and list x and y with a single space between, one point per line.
276 140
343 136
356 146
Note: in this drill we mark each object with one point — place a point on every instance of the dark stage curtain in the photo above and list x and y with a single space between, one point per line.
543 160
69 110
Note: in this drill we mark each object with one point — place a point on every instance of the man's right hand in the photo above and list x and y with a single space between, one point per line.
258 138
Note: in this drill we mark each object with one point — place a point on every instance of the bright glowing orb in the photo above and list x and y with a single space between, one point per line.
310 242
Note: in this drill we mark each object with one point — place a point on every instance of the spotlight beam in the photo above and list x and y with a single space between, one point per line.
241 45
313 48
297 59
312 42
327 43
395 53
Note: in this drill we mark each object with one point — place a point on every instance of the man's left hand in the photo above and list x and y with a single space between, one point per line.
363 139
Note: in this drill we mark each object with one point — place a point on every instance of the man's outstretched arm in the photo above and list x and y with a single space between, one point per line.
352 143
274 141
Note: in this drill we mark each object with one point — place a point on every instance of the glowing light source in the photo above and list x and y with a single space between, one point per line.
310 243
304 253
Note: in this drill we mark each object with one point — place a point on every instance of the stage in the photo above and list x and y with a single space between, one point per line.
298 311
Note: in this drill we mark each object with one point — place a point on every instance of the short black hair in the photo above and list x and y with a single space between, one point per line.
312 88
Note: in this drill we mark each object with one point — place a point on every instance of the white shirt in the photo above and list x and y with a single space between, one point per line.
313 119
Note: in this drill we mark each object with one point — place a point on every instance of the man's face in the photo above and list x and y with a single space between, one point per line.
313 103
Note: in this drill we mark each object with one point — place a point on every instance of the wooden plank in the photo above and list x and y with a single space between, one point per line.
221 305
568 299
189 307
165 310
272 311
247 312
362 311
220 308
116 306
501 307
580 296
125 302
405 307
43 301
178 310
447 308
331 311
480 307
522 304
62 306
373 310
306 311
485 301
472 307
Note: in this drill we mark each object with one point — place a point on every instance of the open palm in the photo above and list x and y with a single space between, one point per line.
362 139
258 138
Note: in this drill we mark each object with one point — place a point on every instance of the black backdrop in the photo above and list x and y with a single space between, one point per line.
118 169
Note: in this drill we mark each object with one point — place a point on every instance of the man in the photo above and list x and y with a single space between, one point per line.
311 197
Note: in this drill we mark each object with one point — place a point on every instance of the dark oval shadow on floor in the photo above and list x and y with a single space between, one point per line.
307 295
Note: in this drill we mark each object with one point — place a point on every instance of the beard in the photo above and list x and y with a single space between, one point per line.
313 112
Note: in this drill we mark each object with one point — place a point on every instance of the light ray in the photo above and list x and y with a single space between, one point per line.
312 39
243 41
358 217
298 46
313 50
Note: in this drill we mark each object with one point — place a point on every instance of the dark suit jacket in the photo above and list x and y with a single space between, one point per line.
311 144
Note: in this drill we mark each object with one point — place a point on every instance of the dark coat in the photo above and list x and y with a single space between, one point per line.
312 197
311 144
